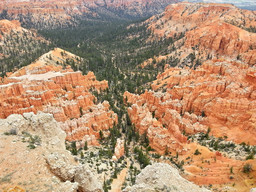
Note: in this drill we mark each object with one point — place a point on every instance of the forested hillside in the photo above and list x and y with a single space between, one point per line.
19 46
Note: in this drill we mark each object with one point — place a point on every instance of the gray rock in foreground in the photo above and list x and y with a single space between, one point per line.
75 176
162 177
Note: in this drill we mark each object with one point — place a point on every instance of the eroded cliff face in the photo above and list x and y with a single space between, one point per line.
183 17
51 88
218 97
206 31
65 13
220 94
47 163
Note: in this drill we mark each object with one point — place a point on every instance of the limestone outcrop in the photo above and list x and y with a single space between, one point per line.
88 181
42 124
68 187
63 165
162 177
51 148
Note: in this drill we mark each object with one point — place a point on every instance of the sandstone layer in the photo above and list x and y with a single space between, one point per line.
51 88
216 97
206 31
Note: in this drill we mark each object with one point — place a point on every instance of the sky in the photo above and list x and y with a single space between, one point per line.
250 4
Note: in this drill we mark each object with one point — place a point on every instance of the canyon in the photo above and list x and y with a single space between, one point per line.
205 94
172 108
46 86
206 31
63 14
217 97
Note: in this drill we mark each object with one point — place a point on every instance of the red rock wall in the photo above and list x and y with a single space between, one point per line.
61 92
222 91
210 31
219 95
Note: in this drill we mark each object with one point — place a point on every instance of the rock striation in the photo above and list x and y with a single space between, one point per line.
217 97
232 32
48 87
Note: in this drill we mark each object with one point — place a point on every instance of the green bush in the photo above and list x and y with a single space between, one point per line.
197 152
247 168
250 156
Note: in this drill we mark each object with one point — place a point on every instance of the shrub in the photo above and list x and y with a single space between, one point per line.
85 145
11 132
197 152
231 170
250 156
247 168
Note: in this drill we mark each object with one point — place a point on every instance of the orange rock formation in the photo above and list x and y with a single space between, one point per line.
45 86
219 95
119 149
223 91
210 31
6 26
15 189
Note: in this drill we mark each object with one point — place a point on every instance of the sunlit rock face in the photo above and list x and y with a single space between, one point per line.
206 31
218 96
48 87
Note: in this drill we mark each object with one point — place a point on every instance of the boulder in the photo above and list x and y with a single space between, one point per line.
162 177
87 179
